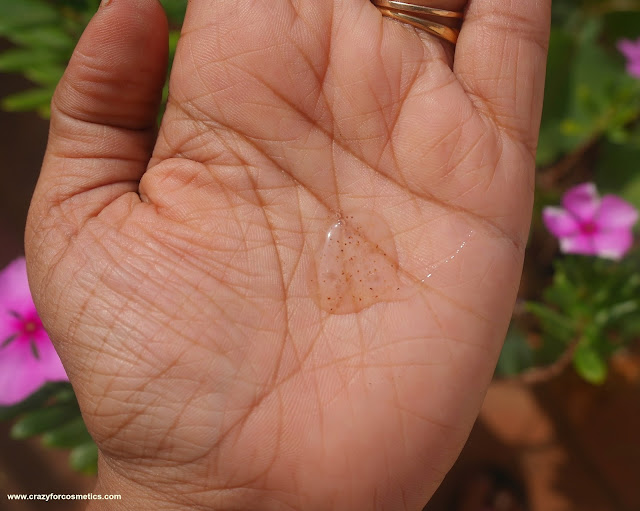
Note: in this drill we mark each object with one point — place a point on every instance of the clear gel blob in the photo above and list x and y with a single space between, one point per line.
358 265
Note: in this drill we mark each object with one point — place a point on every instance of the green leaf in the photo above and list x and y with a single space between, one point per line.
589 364
563 292
48 75
53 38
603 99
175 10
34 401
588 92
516 354
18 14
556 95
21 59
31 99
560 326
45 419
71 434
66 395
174 37
616 312
564 13
594 300
594 76
84 458
77 5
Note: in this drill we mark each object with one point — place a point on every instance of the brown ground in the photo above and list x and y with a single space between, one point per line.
574 447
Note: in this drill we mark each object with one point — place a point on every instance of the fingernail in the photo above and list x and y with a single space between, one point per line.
104 3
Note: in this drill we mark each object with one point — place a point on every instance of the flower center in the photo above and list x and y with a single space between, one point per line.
588 227
29 327
25 332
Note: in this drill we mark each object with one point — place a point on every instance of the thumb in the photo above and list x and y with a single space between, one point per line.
103 117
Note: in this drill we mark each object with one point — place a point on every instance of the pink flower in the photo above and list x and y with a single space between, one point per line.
27 357
590 225
631 50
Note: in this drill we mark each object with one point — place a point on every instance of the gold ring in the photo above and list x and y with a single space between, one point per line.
410 14
417 9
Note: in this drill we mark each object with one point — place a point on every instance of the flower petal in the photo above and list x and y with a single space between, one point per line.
14 287
21 374
578 244
633 68
7 329
582 201
559 222
50 364
629 49
615 213
612 244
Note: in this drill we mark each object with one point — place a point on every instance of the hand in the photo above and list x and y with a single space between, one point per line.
295 295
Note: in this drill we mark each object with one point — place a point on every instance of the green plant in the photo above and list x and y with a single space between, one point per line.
582 309
43 34
53 413
590 310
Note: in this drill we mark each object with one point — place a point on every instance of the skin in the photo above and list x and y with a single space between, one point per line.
177 270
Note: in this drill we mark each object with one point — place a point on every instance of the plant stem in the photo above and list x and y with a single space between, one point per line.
546 373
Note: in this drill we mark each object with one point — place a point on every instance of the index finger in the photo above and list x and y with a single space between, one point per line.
501 60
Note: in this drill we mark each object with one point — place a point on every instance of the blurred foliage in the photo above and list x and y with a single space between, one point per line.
592 307
589 96
53 413
591 127
44 34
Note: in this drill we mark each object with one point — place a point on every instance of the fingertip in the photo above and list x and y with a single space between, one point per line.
118 68
500 61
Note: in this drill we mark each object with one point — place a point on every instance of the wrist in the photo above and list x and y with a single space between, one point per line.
122 489
115 492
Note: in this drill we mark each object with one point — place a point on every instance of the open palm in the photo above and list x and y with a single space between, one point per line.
293 296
